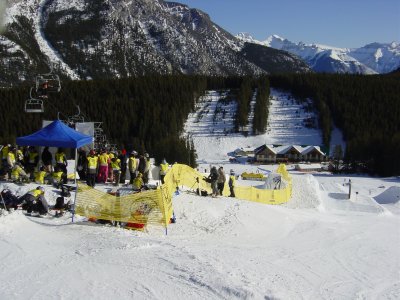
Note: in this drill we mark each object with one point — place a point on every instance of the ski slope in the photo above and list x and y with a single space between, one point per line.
319 245
213 136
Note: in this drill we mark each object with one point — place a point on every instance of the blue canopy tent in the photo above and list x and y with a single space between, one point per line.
57 134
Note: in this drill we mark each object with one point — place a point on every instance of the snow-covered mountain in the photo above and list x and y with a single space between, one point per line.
370 59
118 38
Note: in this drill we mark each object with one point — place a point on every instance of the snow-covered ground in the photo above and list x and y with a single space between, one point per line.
319 245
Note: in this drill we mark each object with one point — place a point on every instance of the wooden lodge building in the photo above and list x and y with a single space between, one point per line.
292 153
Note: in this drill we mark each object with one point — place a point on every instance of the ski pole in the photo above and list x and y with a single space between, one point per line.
2 199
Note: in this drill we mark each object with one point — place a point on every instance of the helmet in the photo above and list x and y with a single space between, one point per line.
146 155
40 188
164 161
232 172
133 152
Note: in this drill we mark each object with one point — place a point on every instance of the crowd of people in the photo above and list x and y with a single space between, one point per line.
25 164
22 165
112 166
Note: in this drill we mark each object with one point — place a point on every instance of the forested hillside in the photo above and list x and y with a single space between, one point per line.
144 113
147 113
365 108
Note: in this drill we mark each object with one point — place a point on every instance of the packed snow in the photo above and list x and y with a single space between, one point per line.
320 245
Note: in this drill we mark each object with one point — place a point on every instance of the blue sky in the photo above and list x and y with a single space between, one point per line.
340 23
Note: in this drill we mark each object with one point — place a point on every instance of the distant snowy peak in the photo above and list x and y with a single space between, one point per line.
370 59
246 37
383 58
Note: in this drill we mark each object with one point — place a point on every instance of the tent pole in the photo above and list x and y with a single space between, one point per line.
76 185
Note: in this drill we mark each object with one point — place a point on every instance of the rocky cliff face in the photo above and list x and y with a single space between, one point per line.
90 39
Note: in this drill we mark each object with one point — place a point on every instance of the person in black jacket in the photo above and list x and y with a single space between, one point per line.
124 164
213 178
47 159
82 164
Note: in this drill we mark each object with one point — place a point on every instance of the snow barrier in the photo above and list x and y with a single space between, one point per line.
182 175
155 206
147 207
277 196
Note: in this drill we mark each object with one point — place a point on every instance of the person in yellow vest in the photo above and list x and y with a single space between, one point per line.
146 171
116 169
138 183
132 165
33 160
20 156
163 170
110 175
11 160
40 175
34 201
61 160
18 174
104 160
92 165
231 182
58 177
4 153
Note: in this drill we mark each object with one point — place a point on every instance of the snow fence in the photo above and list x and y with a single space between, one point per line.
155 206
276 196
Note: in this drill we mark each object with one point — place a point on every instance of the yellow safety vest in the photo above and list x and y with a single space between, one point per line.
39 177
60 157
103 158
137 183
115 164
92 162
132 164
11 157
35 193
32 156
57 176
4 152
147 165
20 155
232 180
16 171
164 168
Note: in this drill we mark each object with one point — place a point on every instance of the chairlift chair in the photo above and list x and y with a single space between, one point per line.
53 80
78 118
34 105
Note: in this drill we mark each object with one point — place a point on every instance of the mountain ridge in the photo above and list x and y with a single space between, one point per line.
373 58
88 39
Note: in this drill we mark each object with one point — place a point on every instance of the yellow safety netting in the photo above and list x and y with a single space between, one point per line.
155 206
146 207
